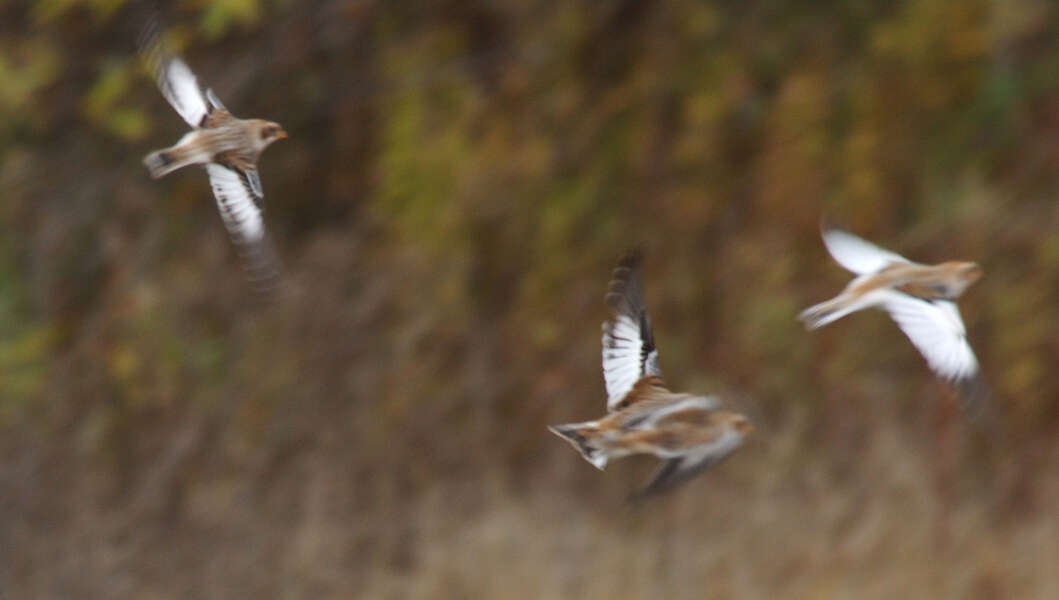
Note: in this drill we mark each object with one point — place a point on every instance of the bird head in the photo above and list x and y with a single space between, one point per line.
268 132
741 424
963 274
970 272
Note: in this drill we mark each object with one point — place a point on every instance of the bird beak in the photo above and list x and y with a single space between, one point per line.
281 134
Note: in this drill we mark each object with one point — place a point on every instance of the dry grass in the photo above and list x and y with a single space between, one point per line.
764 524
457 185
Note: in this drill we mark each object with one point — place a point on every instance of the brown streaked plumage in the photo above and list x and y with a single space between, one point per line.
228 147
689 432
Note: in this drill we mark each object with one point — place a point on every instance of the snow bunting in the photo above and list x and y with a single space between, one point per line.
227 146
918 297
690 432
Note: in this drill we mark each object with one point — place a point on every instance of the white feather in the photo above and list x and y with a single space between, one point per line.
181 89
623 360
857 255
240 213
936 330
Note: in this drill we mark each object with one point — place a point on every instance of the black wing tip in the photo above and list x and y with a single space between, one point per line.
665 480
632 259
623 290
150 32
975 395
151 42
615 297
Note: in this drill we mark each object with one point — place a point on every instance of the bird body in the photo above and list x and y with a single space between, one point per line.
227 140
689 432
669 427
229 149
920 298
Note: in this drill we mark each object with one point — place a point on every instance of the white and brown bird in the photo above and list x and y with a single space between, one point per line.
689 432
920 298
228 147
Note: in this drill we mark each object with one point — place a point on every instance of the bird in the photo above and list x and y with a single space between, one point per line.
688 432
919 298
228 148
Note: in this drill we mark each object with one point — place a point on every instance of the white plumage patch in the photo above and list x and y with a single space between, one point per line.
933 326
936 330
237 205
626 358
181 89
857 255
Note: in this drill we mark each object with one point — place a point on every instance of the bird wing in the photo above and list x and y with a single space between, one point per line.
629 351
937 331
176 81
181 89
239 201
676 406
857 255
682 468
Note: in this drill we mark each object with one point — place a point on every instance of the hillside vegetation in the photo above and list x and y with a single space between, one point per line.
459 180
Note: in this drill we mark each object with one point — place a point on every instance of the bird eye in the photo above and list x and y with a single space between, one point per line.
267 132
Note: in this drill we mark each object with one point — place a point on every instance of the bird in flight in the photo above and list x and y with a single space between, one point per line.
228 147
690 433
920 298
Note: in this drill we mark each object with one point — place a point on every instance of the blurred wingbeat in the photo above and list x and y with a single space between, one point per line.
458 181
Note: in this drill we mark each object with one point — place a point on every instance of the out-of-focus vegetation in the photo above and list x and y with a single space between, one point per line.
459 179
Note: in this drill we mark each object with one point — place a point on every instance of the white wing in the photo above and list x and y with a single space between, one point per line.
175 80
856 255
179 86
628 345
937 331
236 202
241 213
626 358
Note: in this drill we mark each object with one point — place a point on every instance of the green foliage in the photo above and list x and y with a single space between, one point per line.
459 180
423 162
102 102
26 345
49 10
27 67
219 16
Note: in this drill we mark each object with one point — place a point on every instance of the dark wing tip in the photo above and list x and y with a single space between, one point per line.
150 31
985 415
262 267
623 291
975 395
151 44
632 258
667 478
626 298
615 297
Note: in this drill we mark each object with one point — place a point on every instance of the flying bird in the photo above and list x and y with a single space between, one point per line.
689 432
920 298
228 147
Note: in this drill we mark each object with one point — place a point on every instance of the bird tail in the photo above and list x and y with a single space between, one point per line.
584 437
161 162
165 161
821 314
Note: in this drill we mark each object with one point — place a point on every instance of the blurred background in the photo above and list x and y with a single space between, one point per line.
460 178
